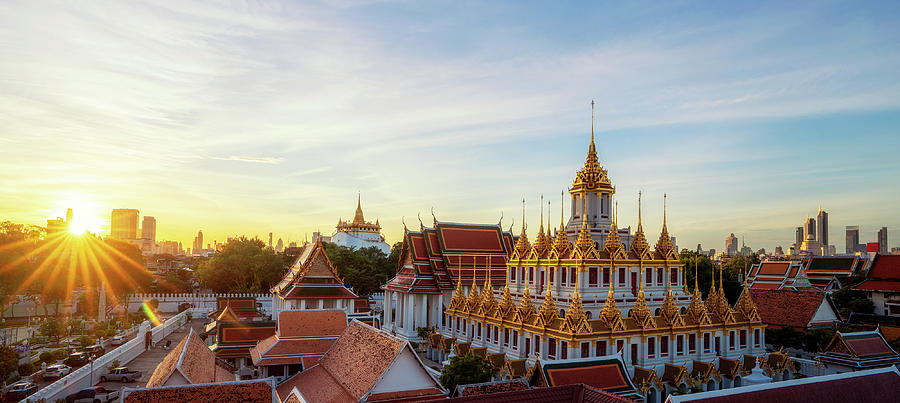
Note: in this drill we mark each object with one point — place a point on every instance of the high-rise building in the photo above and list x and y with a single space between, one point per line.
198 243
69 216
882 240
270 240
822 228
731 245
809 229
124 223
852 239
55 226
798 236
279 247
148 229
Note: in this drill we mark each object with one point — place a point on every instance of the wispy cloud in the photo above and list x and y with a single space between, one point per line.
261 160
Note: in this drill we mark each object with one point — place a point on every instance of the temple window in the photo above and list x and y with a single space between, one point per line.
562 278
621 277
478 336
706 343
679 344
620 345
743 338
506 337
496 339
522 274
531 275
585 349
589 314
537 346
515 338
651 347
756 340
731 340
457 324
674 276
564 347
511 273
601 348
464 328
572 274
527 345
648 277
659 276
692 343
551 347
552 274
664 346
592 277
605 276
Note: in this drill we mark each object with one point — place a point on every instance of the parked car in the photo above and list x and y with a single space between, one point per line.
77 360
93 394
117 340
19 391
121 374
57 371
96 350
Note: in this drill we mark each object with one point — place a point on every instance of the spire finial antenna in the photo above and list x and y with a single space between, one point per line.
592 122
639 209
665 202
583 210
696 273
523 215
561 208
541 206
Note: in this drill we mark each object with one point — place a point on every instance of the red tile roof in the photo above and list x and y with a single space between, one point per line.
311 323
885 267
351 367
605 373
578 393
787 307
773 269
863 386
301 334
258 390
194 360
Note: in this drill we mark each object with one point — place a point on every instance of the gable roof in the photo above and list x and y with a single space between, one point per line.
606 373
790 308
353 366
859 349
862 386
883 275
196 362
434 258
256 390
822 269
312 276
577 393
301 336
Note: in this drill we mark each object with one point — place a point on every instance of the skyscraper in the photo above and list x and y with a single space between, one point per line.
148 229
69 216
882 240
822 228
798 236
270 240
124 224
198 243
852 239
809 229
731 245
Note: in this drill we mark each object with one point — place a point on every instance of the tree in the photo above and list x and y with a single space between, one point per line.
52 327
243 266
125 271
465 370
848 301
9 362
731 274
364 270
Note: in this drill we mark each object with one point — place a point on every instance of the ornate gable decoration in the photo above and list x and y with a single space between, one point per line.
474 300
610 315
613 245
641 312
548 309
525 308
457 301
639 245
664 245
696 309
506 305
542 243
576 319
746 306
669 311
592 176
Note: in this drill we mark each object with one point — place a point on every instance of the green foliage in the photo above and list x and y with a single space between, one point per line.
61 354
848 300
47 357
811 341
731 275
364 270
26 369
9 361
52 328
243 266
465 370
113 365
424 331
85 341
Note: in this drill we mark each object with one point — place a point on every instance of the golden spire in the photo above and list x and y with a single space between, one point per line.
522 244
358 218
592 176
664 244
487 292
457 299
526 304
541 243
696 308
561 244
745 304
639 246
613 243
474 297
713 293
506 302
641 312
548 308
584 241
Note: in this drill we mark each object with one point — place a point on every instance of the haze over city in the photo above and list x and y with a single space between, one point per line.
245 119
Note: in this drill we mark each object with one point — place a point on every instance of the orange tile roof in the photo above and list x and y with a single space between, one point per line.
787 307
194 360
311 323
257 390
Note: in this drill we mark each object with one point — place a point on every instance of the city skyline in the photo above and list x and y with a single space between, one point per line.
245 120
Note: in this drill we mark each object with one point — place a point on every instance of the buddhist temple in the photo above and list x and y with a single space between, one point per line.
587 293
312 282
360 233
301 339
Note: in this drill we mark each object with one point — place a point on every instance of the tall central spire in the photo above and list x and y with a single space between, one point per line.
592 148
358 218
592 177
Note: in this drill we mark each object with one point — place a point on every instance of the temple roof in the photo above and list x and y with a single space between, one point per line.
579 393
193 360
859 349
884 275
607 373
791 308
312 276
301 334
256 390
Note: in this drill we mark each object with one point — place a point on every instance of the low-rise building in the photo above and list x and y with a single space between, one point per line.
882 284
858 351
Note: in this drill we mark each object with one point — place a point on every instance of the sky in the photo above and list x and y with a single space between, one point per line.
250 117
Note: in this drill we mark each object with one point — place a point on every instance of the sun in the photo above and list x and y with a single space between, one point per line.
86 217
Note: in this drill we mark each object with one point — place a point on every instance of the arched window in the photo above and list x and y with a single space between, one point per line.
656 312
683 310
562 313
589 315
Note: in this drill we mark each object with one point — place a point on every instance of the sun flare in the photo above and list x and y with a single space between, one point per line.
87 215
